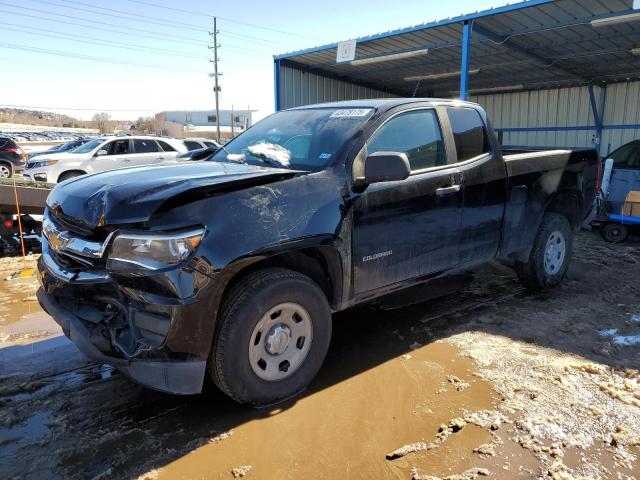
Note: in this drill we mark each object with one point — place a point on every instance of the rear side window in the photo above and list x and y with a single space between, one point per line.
627 156
191 145
211 144
165 146
145 146
416 133
469 133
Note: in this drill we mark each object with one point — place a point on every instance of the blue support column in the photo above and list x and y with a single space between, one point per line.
598 113
466 57
276 84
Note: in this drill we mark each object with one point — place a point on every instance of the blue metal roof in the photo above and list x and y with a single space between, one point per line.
527 45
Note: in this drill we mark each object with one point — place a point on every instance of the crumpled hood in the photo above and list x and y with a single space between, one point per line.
132 195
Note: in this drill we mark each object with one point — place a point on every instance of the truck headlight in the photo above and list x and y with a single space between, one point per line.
152 251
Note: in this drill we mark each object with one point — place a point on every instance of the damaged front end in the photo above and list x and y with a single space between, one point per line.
133 300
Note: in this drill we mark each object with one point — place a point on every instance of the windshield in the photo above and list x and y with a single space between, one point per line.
298 139
89 146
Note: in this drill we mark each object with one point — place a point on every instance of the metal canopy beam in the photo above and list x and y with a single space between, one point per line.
505 40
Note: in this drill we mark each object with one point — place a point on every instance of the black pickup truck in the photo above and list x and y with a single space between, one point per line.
231 267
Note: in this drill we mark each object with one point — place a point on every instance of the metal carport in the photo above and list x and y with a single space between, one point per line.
542 68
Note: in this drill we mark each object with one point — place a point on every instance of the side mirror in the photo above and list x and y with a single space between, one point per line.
386 167
101 153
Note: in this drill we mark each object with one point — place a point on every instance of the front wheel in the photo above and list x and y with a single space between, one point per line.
550 255
273 335
5 171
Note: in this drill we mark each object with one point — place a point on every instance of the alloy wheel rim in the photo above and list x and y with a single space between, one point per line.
554 253
4 171
280 341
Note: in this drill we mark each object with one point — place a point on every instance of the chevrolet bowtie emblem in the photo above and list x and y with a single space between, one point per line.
57 240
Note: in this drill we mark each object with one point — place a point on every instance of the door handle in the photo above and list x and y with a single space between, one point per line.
161 158
442 191
126 160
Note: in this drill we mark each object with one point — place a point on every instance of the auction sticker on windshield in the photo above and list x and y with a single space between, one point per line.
351 112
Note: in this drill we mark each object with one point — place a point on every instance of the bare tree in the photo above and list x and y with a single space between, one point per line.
102 123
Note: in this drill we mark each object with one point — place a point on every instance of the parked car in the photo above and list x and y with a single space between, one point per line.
63 147
198 143
102 154
11 158
232 268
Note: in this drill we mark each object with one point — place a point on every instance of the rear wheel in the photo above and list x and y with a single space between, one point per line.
550 255
273 335
614 232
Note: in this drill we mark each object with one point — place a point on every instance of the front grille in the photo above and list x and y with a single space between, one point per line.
72 225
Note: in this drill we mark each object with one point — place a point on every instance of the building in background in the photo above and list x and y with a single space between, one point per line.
189 123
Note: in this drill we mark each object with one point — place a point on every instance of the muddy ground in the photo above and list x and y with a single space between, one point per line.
491 380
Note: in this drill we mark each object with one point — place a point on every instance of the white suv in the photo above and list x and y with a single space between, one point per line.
101 154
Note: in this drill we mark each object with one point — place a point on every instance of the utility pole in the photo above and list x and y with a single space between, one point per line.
215 74
233 123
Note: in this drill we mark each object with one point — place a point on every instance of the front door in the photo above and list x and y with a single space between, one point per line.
408 229
118 156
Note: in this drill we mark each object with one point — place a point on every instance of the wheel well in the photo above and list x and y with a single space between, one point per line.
567 204
8 164
321 264
67 172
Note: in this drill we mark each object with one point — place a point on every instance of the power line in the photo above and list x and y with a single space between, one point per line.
94 28
155 20
191 12
26 107
178 37
92 40
149 19
61 53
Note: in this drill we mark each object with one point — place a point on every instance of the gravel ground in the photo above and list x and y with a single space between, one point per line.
491 381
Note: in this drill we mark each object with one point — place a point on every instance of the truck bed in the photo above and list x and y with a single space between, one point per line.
31 196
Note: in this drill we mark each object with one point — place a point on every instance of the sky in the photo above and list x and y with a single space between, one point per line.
135 58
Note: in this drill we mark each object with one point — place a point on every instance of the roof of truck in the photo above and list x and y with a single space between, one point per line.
384 103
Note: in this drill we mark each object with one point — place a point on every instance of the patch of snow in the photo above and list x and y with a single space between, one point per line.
608 333
271 151
635 318
626 340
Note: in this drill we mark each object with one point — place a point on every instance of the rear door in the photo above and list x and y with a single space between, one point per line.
485 185
147 152
625 176
408 229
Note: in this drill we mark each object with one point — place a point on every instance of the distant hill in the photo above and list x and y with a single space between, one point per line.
37 117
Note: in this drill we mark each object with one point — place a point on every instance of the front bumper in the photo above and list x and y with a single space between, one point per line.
154 342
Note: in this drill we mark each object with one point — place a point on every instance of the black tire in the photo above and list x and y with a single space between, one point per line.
6 170
533 274
242 308
67 175
614 232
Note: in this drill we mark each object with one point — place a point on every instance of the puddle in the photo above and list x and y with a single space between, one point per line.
346 429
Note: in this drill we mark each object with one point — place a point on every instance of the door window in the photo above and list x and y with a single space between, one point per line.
191 145
145 146
469 133
627 156
166 147
415 133
119 147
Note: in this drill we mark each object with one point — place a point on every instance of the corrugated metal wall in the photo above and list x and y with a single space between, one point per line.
303 88
549 117
622 109
565 107
560 117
